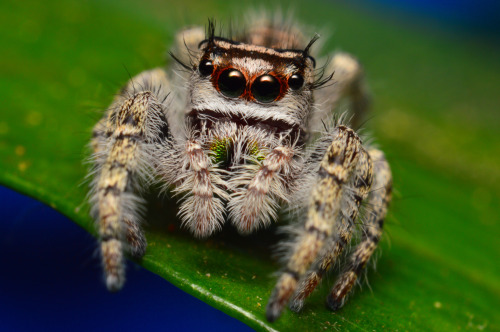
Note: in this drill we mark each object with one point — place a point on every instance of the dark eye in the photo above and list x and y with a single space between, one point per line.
231 83
296 81
206 67
266 88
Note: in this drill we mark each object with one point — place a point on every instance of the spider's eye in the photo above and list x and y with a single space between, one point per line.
266 88
231 83
206 67
296 81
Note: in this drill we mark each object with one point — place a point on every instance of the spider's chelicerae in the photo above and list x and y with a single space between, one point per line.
239 127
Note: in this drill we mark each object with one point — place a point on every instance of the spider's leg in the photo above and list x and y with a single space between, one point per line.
101 134
256 202
186 43
324 209
135 127
359 185
202 209
378 201
347 81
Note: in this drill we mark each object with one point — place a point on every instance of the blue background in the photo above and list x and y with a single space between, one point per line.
50 281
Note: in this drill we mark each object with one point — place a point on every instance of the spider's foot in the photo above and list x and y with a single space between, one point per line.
273 311
137 247
114 283
334 303
137 251
296 304
114 269
135 239
281 294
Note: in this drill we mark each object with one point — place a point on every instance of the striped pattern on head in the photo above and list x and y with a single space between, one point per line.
250 84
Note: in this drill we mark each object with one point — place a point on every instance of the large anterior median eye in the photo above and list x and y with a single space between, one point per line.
231 83
266 88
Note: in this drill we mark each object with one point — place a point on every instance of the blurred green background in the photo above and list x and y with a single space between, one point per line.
435 115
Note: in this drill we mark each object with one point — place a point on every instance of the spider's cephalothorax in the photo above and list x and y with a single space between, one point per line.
236 128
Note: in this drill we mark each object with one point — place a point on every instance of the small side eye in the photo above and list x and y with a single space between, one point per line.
206 67
231 83
266 88
296 81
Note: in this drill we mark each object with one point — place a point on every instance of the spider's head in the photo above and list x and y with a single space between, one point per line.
252 84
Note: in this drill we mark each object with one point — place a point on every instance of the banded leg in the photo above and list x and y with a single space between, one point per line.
256 203
359 185
348 81
378 200
324 209
133 126
202 209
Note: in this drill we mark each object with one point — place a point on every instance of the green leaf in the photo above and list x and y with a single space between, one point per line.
435 116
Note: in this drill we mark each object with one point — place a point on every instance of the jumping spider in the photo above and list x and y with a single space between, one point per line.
239 127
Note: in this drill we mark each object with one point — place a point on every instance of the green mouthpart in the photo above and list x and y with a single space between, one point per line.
254 151
220 150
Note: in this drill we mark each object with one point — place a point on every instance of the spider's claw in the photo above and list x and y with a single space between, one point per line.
273 310
114 283
112 259
296 305
334 303
280 296
136 246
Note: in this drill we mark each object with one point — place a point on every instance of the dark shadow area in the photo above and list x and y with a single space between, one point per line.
162 218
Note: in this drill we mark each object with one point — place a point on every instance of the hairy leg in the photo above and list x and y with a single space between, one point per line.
124 143
324 209
256 202
378 201
357 191
202 209
186 43
347 82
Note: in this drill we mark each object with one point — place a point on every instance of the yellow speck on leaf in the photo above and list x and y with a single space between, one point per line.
20 150
437 305
4 129
22 166
34 118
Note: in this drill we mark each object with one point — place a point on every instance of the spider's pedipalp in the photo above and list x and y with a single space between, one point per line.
378 200
256 202
358 187
324 209
202 210
124 149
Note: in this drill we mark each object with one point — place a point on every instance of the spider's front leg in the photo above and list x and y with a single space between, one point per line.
378 201
348 83
335 171
356 192
125 142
